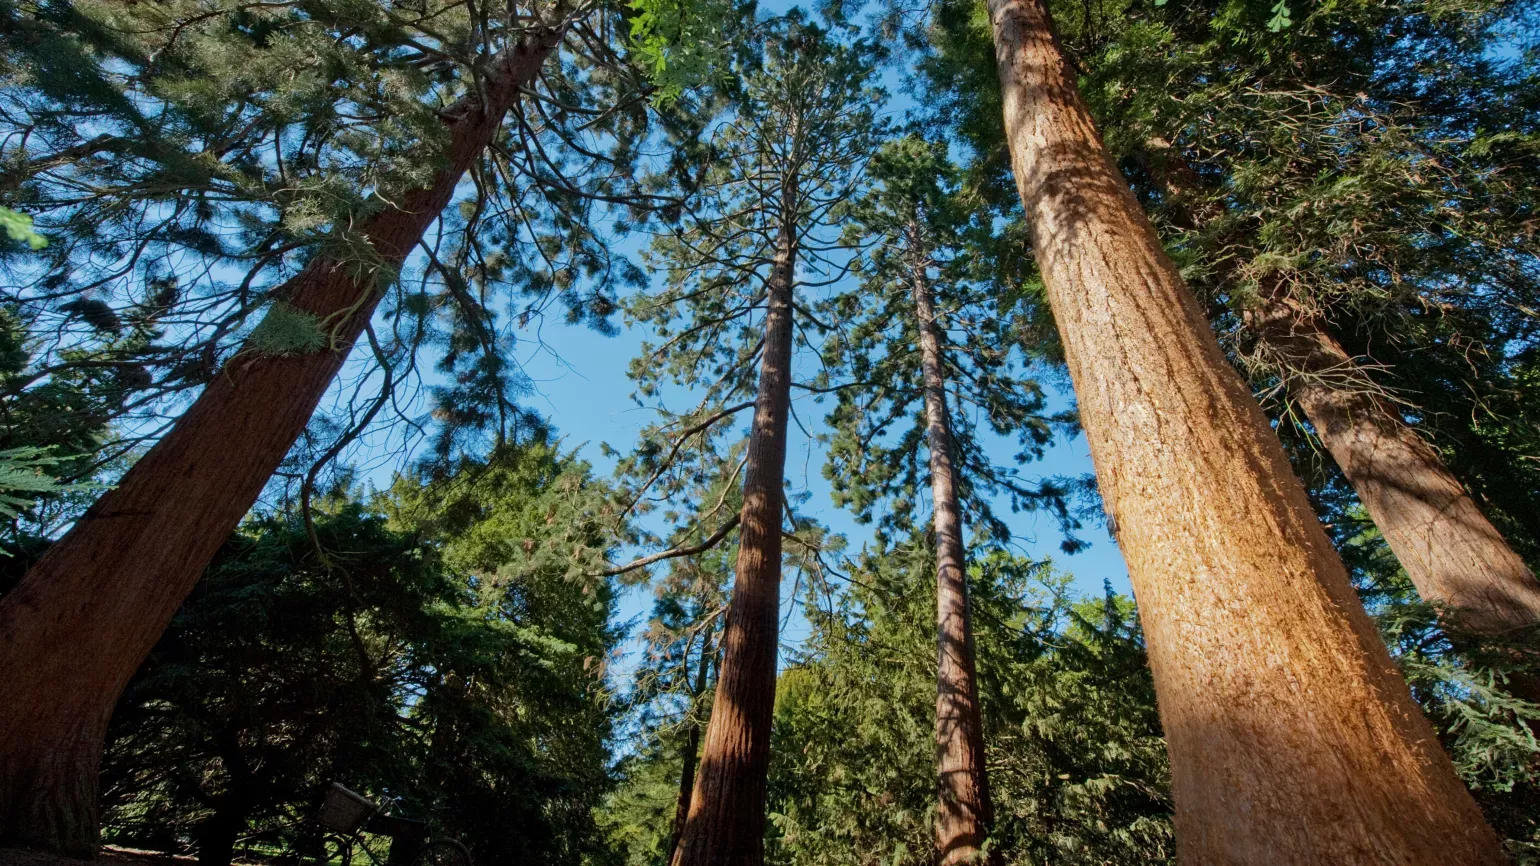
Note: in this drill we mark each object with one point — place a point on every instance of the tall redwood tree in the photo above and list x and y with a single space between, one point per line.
964 811
1292 737
762 217
929 322
78 625
1452 553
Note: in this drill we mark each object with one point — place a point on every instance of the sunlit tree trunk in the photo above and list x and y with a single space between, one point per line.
81 621
1454 556
726 824
964 811
1293 739
691 751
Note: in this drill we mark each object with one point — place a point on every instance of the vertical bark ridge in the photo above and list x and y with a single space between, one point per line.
726 825
1293 739
964 811
78 625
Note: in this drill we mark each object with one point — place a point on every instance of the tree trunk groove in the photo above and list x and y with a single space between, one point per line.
75 629
1293 739
691 752
964 811
726 824
219 832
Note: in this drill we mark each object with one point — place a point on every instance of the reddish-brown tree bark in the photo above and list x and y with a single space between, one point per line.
1293 739
726 825
1454 556
964 811
80 622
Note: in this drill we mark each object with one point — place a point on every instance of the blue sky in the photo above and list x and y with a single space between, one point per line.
582 388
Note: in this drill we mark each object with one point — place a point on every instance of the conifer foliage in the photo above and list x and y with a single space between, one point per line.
436 83
279 510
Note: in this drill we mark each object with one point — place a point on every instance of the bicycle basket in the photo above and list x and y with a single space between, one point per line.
345 811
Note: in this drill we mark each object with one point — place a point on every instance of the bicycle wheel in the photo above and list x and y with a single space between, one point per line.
336 850
443 852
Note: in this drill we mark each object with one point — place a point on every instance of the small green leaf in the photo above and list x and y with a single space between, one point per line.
1280 20
19 227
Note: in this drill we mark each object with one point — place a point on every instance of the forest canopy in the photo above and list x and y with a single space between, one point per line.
686 432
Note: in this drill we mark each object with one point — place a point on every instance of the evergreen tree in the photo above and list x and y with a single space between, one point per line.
440 646
1077 764
917 227
334 177
797 128
1259 648
1360 232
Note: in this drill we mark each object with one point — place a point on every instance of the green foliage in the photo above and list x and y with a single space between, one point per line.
681 43
1077 765
18 227
55 428
1280 19
285 330
26 470
638 814
435 648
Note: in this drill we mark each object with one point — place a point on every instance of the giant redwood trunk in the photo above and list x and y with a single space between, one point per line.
1293 739
80 622
726 824
1454 556
964 812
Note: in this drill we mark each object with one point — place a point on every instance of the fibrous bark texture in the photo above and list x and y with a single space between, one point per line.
964 811
81 621
1293 739
726 825
1454 556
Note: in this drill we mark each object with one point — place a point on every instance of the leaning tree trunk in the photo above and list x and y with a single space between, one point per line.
80 622
964 811
1454 556
1293 739
691 751
726 824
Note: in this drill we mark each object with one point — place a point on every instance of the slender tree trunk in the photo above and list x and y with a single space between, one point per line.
726 825
1293 739
964 813
691 754
1454 556
80 622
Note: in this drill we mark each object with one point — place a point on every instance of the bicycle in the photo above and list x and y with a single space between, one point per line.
350 815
